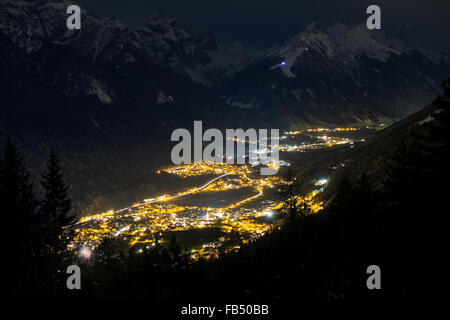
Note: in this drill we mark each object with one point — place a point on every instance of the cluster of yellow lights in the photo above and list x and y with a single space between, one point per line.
311 201
274 165
101 216
324 140
144 222
293 133
199 169
327 142
332 141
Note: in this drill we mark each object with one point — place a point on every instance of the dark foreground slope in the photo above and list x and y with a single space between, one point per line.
371 155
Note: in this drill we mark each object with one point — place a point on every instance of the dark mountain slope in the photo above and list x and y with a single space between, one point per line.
372 155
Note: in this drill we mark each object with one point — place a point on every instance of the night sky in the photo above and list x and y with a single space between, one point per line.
264 23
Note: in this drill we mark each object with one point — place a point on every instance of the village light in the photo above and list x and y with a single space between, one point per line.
85 253
268 213
321 182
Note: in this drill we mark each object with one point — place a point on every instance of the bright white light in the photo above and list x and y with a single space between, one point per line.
85 253
219 214
268 213
321 182
255 163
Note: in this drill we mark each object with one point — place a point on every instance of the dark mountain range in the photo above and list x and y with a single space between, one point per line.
142 75
32 24
108 96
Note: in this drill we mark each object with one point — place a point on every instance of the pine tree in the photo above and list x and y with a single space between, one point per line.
56 204
343 197
288 194
415 224
446 87
174 249
16 195
17 213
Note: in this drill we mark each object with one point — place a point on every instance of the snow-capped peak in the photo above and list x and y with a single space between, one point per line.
311 39
31 24
374 44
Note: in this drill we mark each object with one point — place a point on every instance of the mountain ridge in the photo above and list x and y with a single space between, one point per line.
202 59
345 73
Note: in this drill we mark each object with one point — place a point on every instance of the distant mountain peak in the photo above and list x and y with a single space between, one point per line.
375 44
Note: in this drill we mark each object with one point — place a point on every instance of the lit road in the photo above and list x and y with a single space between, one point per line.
154 200
246 219
147 201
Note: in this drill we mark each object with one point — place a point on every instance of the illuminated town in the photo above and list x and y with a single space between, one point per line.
322 137
257 210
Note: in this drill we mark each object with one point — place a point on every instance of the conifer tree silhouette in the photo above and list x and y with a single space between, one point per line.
55 205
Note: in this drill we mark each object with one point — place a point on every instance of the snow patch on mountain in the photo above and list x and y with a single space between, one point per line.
163 98
101 91
199 58
242 105
310 41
